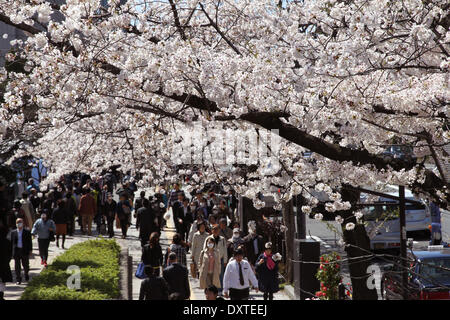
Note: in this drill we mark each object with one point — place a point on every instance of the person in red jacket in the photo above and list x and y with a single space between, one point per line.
87 210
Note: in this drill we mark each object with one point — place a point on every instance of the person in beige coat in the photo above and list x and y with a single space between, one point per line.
209 265
221 244
198 241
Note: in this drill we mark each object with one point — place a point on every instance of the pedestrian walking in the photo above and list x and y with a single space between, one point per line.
22 249
110 214
42 228
152 253
124 213
177 278
267 272
194 227
209 265
17 213
235 242
183 219
225 231
253 243
198 241
179 247
139 202
145 221
87 210
154 287
60 217
238 278
71 209
175 196
223 212
5 255
221 245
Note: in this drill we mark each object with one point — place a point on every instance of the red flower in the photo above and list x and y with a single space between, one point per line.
321 267
324 288
338 257
348 293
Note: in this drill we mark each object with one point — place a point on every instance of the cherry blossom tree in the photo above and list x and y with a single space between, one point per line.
122 84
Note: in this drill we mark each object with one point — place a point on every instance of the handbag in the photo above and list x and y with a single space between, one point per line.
51 236
140 271
167 216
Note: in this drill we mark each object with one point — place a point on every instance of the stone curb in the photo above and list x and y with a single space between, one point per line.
125 275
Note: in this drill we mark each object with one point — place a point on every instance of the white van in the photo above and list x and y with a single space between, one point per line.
383 224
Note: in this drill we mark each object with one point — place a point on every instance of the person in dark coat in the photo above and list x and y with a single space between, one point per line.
267 273
145 221
5 257
109 212
124 213
152 253
60 218
177 278
154 287
71 209
183 219
253 245
22 248
139 202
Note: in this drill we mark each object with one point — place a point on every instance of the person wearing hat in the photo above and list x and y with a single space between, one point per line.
267 272
238 278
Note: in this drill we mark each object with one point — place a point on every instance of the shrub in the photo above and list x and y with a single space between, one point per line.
329 276
98 261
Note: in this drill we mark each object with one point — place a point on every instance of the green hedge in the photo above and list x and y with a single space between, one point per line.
98 261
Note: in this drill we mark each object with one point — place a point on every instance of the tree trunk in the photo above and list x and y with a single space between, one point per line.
358 245
288 218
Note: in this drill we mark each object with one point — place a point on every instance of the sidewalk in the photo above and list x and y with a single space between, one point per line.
14 291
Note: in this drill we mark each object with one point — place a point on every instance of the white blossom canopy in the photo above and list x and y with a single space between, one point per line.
121 84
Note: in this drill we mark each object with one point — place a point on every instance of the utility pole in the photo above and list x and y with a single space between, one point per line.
404 262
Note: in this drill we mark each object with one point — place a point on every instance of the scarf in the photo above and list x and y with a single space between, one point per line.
270 263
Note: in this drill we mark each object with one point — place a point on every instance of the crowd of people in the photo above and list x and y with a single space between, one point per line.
206 223
208 228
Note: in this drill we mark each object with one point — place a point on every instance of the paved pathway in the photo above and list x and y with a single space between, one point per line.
14 291
132 242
